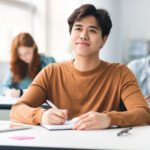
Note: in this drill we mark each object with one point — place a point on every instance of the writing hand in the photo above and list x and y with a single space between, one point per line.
54 116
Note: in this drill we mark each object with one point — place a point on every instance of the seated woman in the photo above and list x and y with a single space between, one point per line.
25 63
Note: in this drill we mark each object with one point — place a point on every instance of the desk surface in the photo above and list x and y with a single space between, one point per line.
7 102
71 139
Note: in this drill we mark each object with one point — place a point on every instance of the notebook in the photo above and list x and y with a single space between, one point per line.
10 126
67 126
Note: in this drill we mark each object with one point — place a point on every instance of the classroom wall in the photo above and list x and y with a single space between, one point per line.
129 17
134 23
40 23
59 11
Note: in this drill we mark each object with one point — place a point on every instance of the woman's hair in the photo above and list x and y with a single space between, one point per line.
20 69
101 15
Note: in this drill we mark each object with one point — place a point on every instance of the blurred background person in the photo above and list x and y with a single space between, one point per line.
141 68
25 63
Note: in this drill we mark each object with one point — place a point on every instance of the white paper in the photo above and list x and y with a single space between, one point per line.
67 126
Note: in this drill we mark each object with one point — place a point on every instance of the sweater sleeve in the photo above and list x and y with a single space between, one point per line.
137 112
27 109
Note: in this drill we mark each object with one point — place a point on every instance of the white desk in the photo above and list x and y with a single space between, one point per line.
7 102
70 139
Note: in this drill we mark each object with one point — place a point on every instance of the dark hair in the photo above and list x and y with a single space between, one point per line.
101 15
20 69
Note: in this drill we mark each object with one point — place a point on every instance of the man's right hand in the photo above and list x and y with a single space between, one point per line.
54 116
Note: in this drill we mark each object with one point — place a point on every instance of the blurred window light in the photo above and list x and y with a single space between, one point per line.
15 17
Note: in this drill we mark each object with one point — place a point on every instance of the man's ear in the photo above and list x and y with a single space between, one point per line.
104 40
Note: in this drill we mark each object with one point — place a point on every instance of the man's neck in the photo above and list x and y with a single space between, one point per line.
85 64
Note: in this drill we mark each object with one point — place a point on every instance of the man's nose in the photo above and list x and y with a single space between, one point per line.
84 35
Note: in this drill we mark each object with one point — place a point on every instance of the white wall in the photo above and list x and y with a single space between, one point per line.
40 23
59 36
135 22
110 52
130 20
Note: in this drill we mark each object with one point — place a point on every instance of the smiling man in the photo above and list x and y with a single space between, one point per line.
86 88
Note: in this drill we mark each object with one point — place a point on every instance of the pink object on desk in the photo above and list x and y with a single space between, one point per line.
21 137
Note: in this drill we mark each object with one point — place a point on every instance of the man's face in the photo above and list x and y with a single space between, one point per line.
86 37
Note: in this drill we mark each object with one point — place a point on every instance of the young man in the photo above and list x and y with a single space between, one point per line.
86 88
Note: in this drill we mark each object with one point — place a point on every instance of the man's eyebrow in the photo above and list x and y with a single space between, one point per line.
91 26
94 27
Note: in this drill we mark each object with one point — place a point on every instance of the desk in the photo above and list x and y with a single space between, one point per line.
7 102
71 139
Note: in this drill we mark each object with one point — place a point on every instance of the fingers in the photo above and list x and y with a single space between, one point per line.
60 115
54 116
83 122
91 121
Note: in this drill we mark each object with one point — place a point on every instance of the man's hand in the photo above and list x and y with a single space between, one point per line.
54 116
91 120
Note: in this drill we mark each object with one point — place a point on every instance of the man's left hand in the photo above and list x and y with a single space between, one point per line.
91 121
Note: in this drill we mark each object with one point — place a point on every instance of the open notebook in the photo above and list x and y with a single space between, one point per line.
67 126
10 126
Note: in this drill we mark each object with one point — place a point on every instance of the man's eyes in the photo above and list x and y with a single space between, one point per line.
93 31
78 29
90 30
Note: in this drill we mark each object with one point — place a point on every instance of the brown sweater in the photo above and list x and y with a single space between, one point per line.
101 90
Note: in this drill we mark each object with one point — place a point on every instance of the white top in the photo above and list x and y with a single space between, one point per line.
98 139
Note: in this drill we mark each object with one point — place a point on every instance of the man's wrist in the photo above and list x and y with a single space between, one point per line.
109 120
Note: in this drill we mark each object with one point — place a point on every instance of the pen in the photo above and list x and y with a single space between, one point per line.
50 104
124 131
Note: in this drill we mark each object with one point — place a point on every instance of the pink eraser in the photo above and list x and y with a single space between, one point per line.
21 137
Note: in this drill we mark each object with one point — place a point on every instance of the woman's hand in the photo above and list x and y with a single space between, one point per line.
12 93
54 116
91 120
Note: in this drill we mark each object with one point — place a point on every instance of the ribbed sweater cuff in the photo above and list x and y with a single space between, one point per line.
38 116
114 118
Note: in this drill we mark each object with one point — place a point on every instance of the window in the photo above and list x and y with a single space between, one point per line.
15 17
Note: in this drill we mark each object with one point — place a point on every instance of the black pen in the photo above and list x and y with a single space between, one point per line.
50 104
124 131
